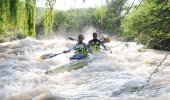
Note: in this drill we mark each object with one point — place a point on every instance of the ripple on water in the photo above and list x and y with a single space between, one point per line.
111 76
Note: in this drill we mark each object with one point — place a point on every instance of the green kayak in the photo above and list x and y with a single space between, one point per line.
72 65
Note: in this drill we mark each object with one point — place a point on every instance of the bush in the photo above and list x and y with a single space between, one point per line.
150 24
20 36
2 40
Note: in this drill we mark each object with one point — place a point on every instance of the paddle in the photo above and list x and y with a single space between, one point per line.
72 38
108 49
50 55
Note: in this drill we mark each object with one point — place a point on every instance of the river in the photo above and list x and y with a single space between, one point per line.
111 76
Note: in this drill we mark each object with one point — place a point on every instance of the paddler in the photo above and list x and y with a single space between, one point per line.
95 43
80 48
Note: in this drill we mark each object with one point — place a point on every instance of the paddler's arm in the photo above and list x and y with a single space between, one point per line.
70 49
88 47
104 46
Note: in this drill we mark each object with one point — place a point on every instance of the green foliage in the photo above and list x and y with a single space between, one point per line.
72 20
150 22
30 14
4 17
13 11
77 19
99 17
17 16
48 17
59 20
113 16
105 18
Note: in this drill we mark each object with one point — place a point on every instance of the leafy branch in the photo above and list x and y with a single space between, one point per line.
51 7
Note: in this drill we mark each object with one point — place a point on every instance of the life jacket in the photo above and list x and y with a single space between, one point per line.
81 49
95 45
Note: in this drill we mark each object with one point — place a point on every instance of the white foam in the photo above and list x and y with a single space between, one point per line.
109 76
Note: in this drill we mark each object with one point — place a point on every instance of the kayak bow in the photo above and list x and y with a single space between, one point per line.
73 65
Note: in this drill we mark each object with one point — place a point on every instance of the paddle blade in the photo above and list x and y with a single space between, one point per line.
47 56
71 38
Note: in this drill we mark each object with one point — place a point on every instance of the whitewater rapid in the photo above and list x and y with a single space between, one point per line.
111 76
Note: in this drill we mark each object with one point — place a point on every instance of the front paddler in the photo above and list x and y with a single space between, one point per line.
95 44
80 48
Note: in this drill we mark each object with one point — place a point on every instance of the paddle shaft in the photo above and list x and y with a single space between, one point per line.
47 56
57 54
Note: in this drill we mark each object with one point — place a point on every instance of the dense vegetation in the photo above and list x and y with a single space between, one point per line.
150 22
17 16
107 18
147 23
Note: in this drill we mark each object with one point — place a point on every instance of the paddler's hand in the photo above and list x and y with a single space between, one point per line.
106 49
65 51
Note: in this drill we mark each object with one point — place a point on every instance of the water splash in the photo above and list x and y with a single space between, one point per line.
110 76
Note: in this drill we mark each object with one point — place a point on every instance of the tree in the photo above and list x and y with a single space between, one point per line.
151 22
17 16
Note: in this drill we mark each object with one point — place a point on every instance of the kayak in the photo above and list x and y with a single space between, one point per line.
72 65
